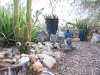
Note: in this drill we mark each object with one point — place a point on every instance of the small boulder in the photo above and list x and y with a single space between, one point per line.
49 61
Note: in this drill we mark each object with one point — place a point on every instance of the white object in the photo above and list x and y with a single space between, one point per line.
76 39
97 37
49 61
47 73
23 60
93 40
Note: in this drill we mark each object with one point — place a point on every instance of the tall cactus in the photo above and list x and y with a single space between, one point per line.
29 18
23 35
16 12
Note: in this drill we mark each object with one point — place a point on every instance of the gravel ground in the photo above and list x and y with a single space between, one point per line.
84 60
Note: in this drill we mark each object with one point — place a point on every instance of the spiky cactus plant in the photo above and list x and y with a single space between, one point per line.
16 12
29 20
23 35
22 38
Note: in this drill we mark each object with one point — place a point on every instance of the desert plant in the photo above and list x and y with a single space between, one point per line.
36 24
23 35
6 27
51 16
86 24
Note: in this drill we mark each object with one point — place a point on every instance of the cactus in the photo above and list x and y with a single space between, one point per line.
23 35
16 12
26 33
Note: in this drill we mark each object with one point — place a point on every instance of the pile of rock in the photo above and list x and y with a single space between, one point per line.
41 58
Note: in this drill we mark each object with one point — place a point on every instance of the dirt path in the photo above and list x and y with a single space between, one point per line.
85 60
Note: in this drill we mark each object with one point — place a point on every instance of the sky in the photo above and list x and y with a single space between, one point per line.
5 1
65 12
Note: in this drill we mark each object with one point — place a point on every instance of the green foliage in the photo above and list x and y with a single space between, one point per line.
52 16
7 36
36 24
6 27
37 51
91 8
86 24
22 36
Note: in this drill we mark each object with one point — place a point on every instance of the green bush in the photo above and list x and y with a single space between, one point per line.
7 37
6 27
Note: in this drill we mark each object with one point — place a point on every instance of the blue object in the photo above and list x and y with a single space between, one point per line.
81 35
67 34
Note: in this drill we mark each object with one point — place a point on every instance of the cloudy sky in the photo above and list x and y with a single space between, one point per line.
64 10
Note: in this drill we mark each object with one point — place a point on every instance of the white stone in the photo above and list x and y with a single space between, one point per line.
47 72
33 56
23 60
76 39
32 51
49 61
9 50
58 55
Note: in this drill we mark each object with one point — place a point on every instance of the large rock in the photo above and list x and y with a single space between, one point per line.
24 58
49 61
43 36
58 55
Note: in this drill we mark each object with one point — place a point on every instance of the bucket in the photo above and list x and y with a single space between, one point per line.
52 25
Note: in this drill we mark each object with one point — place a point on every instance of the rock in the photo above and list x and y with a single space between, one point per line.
33 46
50 53
7 54
47 73
58 55
9 50
49 61
16 53
1 56
24 58
7 60
56 45
76 39
17 57
37 66
48 44
42 56
43 36
24 55
32 51
33 56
